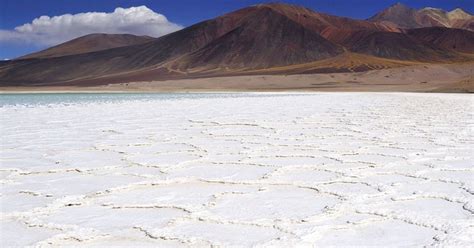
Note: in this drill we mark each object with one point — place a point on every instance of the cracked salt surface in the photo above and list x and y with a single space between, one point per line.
343 169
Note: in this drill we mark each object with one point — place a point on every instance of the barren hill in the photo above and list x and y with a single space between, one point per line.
264 38
89 43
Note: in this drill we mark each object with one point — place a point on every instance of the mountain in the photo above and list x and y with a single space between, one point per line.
399 14
89 43
405 17
396 46
458 40
457 18
264 38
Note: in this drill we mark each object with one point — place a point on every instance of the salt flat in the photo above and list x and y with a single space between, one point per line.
340 169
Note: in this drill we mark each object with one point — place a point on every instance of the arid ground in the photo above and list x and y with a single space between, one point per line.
456 77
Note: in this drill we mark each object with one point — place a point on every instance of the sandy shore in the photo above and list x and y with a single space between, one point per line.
419 78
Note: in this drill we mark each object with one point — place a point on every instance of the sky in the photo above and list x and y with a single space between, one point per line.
23 29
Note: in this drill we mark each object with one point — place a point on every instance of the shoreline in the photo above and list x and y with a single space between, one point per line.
441 78
27 92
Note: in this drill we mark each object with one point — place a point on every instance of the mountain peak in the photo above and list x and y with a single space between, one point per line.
458 10
281 6
433 9
399 14
398 9
459 13
400 6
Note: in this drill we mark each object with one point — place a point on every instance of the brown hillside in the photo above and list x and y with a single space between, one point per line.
89 43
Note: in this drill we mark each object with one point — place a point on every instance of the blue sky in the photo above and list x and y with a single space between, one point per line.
182 13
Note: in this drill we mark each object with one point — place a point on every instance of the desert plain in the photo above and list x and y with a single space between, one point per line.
421 77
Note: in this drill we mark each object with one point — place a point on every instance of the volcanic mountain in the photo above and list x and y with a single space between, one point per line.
265 38
404 17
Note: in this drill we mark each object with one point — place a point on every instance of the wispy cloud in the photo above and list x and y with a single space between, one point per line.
46 31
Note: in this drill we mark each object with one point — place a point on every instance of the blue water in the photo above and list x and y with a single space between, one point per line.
73 98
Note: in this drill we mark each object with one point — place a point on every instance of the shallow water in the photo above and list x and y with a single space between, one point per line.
71 98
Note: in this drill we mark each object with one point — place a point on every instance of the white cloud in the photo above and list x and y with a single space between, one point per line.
48 31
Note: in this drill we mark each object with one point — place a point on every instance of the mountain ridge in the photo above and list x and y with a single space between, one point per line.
89 43
255 38
406 17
